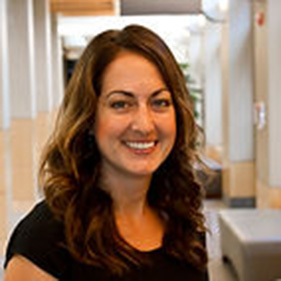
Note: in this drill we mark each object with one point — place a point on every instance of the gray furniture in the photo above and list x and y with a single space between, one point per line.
251 241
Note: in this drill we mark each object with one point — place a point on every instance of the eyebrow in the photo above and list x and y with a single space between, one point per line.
131 95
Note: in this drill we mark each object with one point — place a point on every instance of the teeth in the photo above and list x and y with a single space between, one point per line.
140 145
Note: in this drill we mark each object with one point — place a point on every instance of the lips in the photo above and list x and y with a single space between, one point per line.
145 146
140 145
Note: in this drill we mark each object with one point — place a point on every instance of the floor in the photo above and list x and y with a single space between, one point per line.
20 148
218 270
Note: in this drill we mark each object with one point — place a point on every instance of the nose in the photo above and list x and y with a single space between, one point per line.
143 121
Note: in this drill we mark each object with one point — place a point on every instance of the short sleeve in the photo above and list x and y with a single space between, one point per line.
39 237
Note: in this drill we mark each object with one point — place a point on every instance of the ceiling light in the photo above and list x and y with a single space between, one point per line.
223 5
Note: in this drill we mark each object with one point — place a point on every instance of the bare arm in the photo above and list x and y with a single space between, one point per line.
21 269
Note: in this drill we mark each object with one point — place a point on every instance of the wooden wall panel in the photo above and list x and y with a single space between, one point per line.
83 7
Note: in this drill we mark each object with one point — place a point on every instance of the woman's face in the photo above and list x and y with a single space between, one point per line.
135 125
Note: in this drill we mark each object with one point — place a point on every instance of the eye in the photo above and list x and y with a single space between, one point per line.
161 103
119 104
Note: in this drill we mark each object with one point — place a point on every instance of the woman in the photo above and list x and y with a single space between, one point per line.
121 200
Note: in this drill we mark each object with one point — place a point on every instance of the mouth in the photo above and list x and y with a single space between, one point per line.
141 145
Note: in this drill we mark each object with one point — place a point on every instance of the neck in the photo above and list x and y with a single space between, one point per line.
129 193
136 221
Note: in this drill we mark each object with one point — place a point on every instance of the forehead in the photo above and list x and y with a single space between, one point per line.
131 70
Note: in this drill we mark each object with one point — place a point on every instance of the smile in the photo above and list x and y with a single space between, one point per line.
140 145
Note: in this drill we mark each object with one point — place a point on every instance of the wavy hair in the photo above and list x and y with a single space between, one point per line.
70 166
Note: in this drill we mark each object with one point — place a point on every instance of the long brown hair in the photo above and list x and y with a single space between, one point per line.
70 167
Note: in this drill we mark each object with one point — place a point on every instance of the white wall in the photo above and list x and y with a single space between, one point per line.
274 97
21 58
213 84
43 59
240 85
4 90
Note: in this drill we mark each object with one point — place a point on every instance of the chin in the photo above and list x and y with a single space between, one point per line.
143 172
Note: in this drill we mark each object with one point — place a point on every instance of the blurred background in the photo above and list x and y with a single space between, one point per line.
229 51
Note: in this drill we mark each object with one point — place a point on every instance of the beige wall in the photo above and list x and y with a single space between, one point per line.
238 180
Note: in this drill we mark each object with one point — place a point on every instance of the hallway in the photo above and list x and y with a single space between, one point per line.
228 51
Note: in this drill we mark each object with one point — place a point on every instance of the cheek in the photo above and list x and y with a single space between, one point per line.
101 128
173 131
168 131
171 126
107 127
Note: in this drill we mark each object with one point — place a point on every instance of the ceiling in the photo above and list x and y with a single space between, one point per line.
81 19
124 7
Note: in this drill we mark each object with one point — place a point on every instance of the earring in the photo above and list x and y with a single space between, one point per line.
90 139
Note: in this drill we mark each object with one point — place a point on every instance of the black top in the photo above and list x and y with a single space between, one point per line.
38 238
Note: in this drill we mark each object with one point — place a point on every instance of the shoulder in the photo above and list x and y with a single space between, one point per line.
38 227
39 237
20 269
